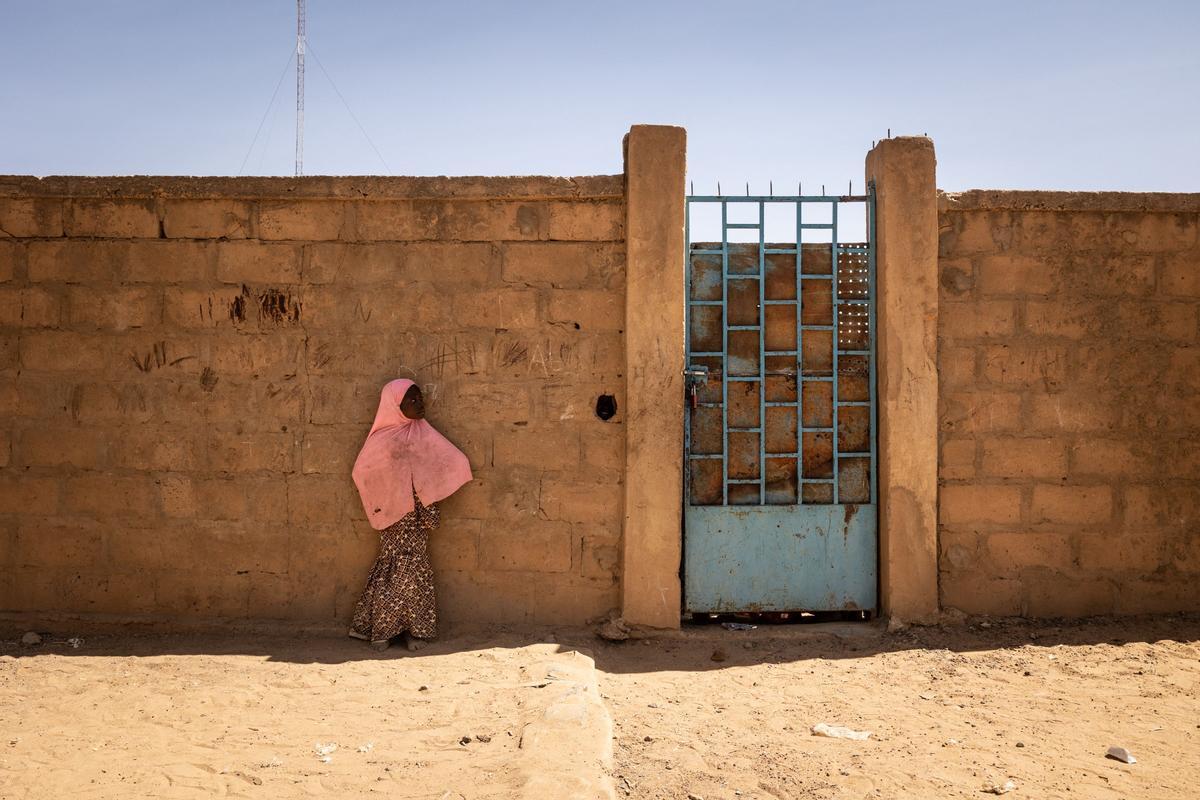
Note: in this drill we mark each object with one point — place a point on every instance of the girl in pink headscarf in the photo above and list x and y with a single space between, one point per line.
403 470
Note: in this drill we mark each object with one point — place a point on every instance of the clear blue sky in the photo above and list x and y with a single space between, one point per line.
1070 95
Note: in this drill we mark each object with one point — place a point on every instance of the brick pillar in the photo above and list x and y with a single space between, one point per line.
654 351
907 309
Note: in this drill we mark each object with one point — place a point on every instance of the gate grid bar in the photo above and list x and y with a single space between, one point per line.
837 344
845 331
871 337
724 354
762 356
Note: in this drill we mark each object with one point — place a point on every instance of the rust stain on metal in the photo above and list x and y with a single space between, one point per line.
848 512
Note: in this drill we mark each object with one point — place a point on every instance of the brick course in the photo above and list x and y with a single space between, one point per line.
187 373
1067 336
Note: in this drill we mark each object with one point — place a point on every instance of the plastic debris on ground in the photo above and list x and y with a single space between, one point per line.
323 751
738 626
75 642
1121 754
1000 788
366 748
838 732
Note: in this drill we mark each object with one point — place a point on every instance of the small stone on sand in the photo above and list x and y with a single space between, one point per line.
615 630
1120 754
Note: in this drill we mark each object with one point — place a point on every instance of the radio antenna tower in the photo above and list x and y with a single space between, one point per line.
299 88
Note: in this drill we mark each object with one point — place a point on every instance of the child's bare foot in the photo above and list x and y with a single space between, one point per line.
413 644
380 645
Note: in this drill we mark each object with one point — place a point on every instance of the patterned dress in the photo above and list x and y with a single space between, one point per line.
399 597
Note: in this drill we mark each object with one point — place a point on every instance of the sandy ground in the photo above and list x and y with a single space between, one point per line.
951 711
173 717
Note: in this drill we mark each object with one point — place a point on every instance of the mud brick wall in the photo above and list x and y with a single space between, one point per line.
189 366
1069 368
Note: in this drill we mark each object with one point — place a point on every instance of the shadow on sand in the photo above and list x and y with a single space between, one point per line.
692 648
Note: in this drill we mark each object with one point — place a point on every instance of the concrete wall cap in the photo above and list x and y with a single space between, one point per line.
1027 200
645 126
366 187
920 141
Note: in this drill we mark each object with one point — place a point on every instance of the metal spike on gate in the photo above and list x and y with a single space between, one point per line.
718 188
771 187
747 188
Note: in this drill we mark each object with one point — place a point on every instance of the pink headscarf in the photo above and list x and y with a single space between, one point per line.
401 455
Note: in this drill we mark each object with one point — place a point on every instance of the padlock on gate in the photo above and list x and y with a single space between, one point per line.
695 377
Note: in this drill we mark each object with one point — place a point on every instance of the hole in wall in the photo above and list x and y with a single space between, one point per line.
606 407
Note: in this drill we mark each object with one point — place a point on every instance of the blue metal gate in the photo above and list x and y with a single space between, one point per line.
780 440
